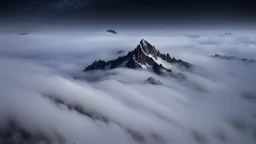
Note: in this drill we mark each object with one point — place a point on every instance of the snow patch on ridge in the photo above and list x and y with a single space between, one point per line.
158 60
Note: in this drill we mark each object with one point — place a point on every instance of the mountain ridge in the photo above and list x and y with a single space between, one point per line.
226 57
144 55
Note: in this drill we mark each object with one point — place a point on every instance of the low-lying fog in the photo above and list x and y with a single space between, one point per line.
46 98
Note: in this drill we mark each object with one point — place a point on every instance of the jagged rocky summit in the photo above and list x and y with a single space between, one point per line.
143 56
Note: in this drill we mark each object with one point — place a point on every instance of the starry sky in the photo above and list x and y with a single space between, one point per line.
139 10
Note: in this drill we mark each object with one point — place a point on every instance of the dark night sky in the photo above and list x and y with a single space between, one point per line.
139 10
116 7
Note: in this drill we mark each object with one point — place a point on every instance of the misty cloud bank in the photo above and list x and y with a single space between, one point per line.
46 98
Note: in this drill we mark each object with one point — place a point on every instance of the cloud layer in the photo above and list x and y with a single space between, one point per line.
45 97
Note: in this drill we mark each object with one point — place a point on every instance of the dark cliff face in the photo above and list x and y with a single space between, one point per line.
133 64
147 48
144 55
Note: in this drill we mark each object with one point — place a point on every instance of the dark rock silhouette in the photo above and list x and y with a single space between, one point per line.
133 64
225 57
159 68
144 55
23 33
97 65
153 81
228 33
112 31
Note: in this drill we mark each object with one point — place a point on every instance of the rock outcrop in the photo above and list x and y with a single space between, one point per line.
153 81
112 31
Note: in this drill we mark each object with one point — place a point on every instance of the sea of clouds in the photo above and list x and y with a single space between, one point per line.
46 98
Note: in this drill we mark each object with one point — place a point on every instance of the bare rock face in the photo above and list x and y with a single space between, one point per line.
153 81
147 48
132 64
143 56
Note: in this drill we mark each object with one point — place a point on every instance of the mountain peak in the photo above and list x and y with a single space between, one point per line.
143 56
112 31
143 41
147 48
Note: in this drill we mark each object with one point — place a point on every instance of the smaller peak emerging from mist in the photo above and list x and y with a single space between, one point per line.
228 33
144 56
112 31
225 57
23 33
153 81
